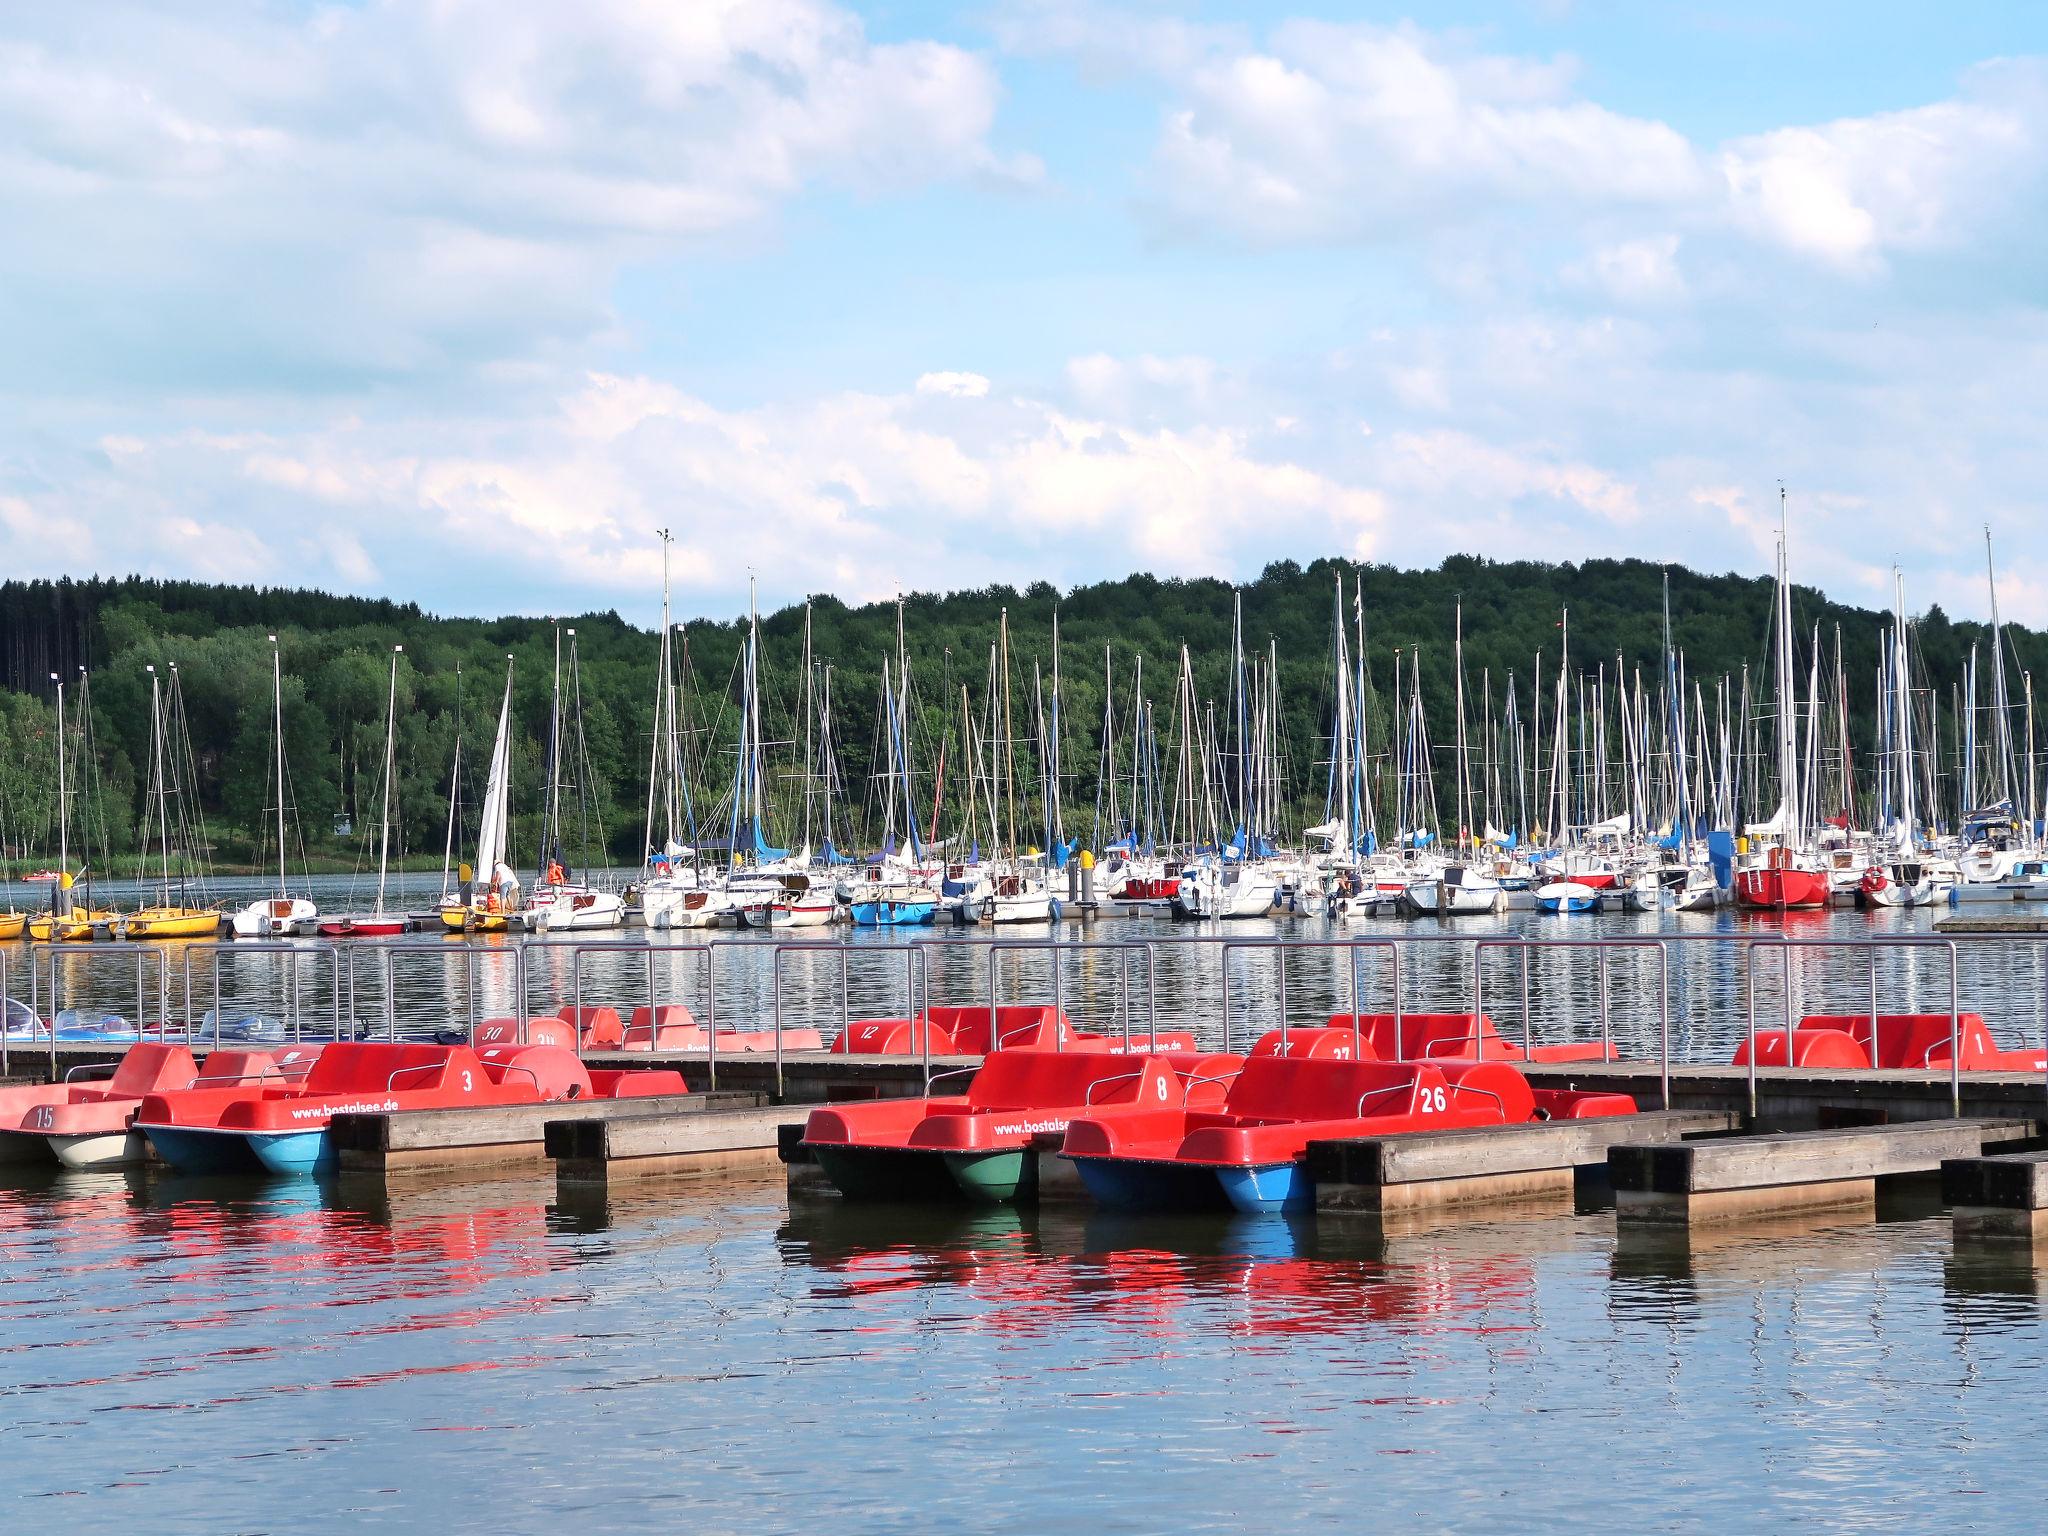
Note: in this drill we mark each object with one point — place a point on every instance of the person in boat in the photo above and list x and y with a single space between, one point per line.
556 875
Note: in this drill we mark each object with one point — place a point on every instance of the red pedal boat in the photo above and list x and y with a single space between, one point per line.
1904 1041
967 1031
284 1128
1249 1152
985 1144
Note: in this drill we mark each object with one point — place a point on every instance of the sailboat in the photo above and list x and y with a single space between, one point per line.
674 894
1459 887
809 899
378 923
892 894
490 893
166 917
282 914
560 900
1782 874
68 923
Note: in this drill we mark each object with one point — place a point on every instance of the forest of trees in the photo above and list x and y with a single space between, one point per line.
336 652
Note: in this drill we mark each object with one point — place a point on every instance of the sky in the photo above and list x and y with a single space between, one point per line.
459 302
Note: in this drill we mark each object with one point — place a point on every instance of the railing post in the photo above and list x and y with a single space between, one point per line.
1285 1012
1226 999
1955 1032
1528 1024
1791 1055
1663 1024
1749 1007
1871 952
1059 992
1606 1024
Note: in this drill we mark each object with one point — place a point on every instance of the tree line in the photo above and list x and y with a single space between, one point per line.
336 651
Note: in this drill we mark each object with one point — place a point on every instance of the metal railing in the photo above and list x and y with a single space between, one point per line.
1786 946
1604 947
927 965
472 961
1350 948
290 993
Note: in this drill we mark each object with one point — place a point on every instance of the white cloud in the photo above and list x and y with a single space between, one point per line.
964 386
235 191
1848 191
1643 271
1342 132
856 493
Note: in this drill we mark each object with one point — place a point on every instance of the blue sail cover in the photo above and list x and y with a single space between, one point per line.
761 849
832 855
1721 854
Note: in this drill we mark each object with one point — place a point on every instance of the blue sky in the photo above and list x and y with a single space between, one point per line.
458 303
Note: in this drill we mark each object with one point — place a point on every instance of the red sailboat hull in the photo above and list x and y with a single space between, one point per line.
1782 890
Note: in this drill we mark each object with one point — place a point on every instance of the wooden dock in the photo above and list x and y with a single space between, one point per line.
1492 1165
1743 1177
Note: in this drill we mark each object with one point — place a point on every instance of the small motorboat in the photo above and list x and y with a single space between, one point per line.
364 925
1567 896
276 917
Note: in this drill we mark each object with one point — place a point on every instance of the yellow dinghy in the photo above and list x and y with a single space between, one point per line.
78 926
474 920
13 925
172 923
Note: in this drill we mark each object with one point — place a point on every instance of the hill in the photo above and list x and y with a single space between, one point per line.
336 651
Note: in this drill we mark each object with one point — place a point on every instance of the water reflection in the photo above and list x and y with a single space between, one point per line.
1161 1276
173 1350
1115 973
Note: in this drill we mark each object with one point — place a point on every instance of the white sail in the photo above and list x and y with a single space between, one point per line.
490 843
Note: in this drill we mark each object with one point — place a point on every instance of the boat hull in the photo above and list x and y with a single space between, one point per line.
1782 890
1007 1176
886 1173
191 1150
1268 1189
171 925
894 914
362 927
1130 1184
293 1154
102 1149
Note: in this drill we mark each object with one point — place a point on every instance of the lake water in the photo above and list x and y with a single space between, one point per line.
218 1355
179 1355
1690 976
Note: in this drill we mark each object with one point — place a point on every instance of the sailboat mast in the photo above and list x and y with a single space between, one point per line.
809 702
662 704
1458 667
2005 776
63 792
277 712
390 759
156 752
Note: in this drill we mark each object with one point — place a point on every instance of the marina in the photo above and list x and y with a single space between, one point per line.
819 767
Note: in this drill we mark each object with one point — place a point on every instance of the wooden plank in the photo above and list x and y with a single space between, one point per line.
504 1124
2011 1181
1487 1151
1804 1157
662 1136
